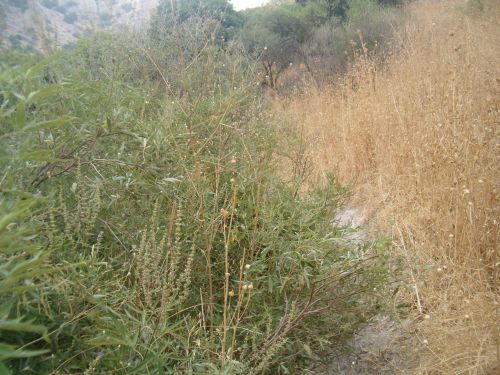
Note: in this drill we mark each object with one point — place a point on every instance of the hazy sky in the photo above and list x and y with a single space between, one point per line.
242 4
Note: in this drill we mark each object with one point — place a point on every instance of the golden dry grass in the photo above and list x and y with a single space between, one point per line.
419 136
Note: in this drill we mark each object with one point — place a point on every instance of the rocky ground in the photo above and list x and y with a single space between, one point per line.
43 25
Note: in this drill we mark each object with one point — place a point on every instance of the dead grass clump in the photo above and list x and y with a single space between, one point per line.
420 139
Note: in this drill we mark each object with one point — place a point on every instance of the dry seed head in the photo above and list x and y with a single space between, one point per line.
224 212
231 293
186 276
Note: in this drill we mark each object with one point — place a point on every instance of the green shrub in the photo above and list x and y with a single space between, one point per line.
323 37
162 239
24 255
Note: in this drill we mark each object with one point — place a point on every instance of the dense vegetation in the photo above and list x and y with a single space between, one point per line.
145 227
322 36
419 135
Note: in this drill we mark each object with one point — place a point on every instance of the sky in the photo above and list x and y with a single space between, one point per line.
243 4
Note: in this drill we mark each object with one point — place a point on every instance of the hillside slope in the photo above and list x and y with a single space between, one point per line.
45 24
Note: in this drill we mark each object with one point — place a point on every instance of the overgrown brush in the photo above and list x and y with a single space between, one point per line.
419 136
163 240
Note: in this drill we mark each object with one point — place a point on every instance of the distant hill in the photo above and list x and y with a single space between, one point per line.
45 24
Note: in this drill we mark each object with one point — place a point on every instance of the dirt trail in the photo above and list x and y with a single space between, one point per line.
380 347
353 217
383 345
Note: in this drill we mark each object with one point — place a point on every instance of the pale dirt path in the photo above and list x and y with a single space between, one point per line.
383 345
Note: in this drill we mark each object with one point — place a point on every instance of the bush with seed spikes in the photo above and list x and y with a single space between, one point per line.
166 242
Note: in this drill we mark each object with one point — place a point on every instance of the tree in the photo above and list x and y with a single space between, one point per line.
275 35
333 8
339 8
176 12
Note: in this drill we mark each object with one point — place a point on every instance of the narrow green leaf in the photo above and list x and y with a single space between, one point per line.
4 370
21 97
35 69
48 124
38 155
7 286
9 351
43 92
6 307
20 114
28 264
19 326
20 210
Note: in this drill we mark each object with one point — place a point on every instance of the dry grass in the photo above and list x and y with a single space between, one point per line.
419 136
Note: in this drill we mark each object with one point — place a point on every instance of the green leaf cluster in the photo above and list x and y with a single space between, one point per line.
140 200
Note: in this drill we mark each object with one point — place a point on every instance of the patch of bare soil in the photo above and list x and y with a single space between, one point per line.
383 345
